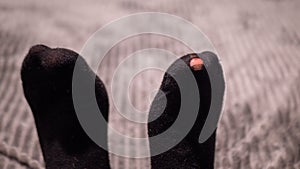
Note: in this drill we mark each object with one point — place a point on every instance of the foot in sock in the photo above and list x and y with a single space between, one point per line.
188 153
47 83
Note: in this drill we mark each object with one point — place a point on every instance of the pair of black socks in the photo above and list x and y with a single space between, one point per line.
47 82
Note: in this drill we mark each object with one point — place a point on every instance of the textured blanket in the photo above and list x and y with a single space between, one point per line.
258 42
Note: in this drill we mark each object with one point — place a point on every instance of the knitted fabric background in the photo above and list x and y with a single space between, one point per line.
258 42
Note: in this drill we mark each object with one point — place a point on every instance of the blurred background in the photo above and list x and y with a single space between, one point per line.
258 42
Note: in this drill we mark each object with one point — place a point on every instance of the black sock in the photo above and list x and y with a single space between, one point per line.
47 82
188 153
